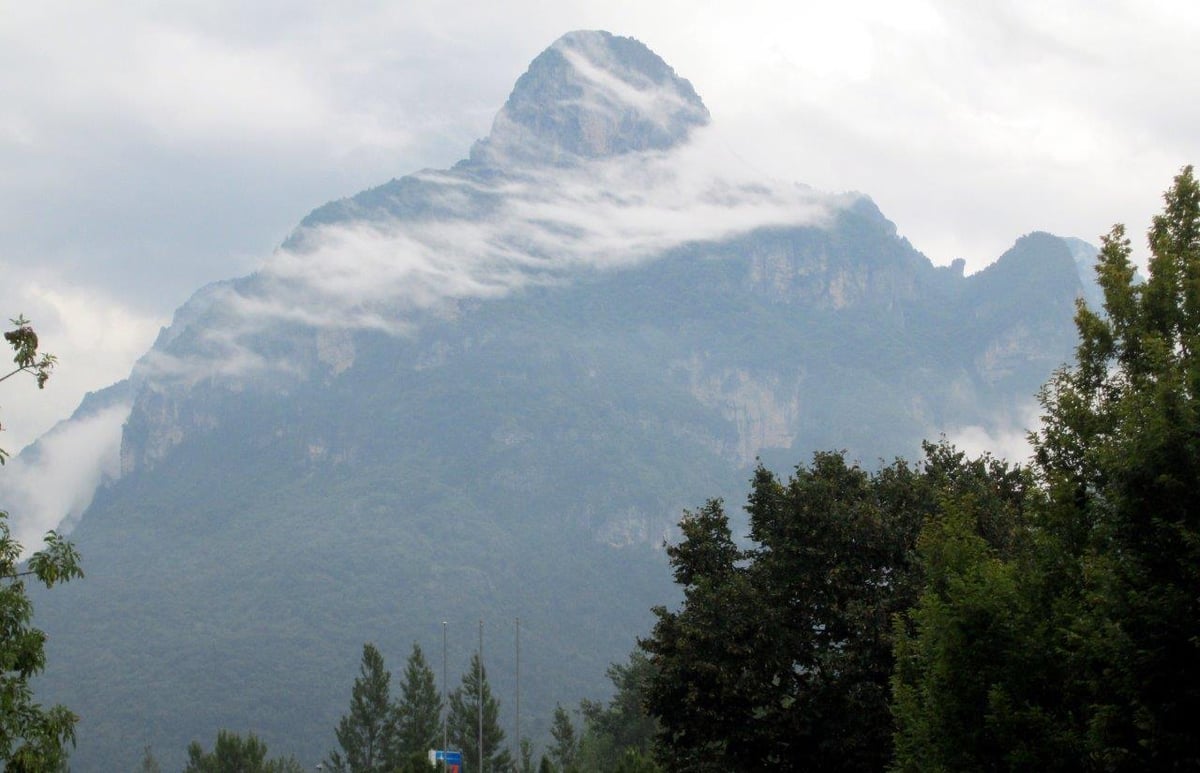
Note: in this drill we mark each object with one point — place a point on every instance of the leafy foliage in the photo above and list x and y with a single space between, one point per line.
32 738
566 745
621 726
1075 645
782 652
1121 452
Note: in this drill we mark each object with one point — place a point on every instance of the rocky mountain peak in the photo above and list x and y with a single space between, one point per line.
592 95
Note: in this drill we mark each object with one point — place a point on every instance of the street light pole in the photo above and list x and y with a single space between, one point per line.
445 708
480 676
518 685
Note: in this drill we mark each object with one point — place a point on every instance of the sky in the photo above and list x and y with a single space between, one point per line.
151 148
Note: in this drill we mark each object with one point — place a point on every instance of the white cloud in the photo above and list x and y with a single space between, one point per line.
51 489
534 225
541 225
1005 436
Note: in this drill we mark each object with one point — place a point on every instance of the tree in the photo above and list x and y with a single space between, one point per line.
1078 647
975 677
1120 453
232 753
701 653
465 704
566 745
419 711
782 653
367 735
149 763
28 359
32 738
633 761
620 726
526 763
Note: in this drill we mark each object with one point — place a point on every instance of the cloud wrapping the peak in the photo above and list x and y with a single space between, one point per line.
539 225
475 236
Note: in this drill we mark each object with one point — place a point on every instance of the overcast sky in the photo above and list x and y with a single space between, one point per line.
149 148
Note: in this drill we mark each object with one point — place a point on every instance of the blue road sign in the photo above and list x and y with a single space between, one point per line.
450 758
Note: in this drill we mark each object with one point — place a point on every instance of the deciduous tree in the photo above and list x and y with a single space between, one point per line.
1077 647
566 744
781 654
32 737
234 753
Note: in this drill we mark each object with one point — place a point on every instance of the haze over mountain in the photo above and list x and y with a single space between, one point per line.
488 392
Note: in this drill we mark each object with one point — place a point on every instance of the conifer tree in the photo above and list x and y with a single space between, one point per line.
465 702
367 735
419 710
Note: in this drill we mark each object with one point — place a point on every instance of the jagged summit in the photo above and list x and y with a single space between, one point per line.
592 94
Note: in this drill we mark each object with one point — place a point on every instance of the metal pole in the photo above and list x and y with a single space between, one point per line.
480 675
445 708
518 685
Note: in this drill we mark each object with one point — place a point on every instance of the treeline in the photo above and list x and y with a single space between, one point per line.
967 614
380 734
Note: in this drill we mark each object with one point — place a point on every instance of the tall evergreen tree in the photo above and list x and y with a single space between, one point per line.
367 735
465 703
419 710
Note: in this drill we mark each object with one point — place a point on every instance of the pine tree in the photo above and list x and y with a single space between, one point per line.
367 735
464 722
419 711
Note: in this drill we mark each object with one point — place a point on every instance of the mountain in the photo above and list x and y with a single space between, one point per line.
487 393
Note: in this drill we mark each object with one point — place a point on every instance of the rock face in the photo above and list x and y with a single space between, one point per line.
592 95
488 392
